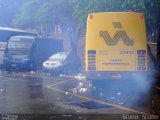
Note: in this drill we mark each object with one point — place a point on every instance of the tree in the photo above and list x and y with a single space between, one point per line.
27 15
151 9
84 7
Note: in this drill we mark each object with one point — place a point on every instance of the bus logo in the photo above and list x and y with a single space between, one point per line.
120 34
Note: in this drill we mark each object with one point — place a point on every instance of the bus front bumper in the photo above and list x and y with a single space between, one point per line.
94 75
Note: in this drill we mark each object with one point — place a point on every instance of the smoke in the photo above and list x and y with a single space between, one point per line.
130 91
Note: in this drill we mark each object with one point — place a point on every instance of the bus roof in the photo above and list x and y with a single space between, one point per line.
7 29
126 11
24 36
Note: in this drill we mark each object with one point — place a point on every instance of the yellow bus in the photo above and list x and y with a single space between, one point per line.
116 45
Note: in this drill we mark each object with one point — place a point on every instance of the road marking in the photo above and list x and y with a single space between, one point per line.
58 83
90 99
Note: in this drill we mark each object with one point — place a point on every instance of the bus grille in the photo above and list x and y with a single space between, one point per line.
141 60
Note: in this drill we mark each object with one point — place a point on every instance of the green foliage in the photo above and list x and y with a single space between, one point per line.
27 15
151 9
152 12
40 14
134 5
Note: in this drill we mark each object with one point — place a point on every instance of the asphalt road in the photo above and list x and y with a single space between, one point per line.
38 93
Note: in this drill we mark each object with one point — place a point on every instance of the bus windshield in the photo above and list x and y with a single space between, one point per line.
19 46
20 43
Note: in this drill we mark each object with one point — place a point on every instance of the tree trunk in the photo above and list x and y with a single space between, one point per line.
74 32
